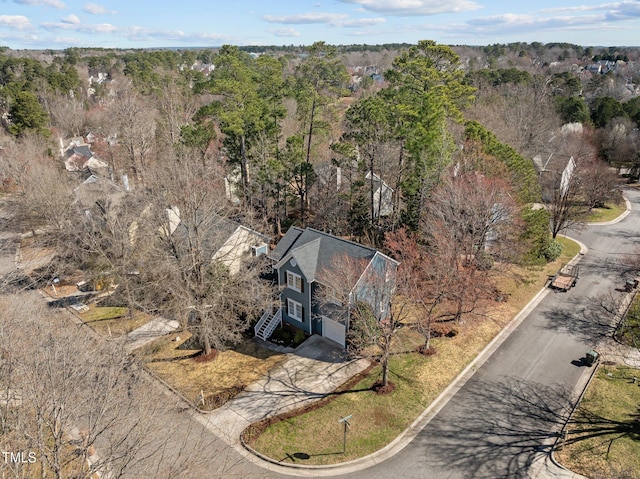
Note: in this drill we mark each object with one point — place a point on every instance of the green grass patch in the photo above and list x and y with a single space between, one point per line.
604 433
608 213
569 248
98 313
113 321
629 332
376 419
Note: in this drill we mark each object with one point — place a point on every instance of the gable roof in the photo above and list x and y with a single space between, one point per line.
221 231
97 188
316 252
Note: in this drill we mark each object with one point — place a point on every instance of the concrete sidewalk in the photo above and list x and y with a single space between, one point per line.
312 372
146 333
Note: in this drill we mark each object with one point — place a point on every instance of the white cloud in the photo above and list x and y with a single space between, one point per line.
95 9
81 27
524 25
134 33
333 19
415 7
21 38
71 19
40 3
362 22
15 22
306 18
285 32
629 8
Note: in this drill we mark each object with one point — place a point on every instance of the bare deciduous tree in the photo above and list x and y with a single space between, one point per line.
374 312
424 281
600 184
42 189
77 407
471 222
194 278
136 126
66 112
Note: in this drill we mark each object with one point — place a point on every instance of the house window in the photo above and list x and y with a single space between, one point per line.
332 296
294 309
294 281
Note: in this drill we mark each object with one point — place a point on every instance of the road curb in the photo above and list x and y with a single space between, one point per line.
618 219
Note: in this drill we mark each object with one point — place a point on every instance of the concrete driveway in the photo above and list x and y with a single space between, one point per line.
314 370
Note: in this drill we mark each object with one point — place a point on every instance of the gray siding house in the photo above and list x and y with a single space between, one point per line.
309 262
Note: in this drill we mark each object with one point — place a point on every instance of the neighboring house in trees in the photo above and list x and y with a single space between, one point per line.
241 245
382 196
233 185
232 244
309 262
330 175
556 174
78 156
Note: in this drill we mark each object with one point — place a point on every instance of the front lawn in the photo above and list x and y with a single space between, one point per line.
629 332
376 419
604 434
608 213
113 321
315 437
176 362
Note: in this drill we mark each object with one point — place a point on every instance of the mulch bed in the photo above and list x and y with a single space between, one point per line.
430 351
205 358
381 390
214 401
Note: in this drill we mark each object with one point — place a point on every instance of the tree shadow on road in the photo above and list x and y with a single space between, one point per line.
511 426
589 319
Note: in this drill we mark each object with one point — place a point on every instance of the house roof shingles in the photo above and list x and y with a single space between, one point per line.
317 252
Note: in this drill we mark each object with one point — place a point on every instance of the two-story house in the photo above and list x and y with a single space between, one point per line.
322 277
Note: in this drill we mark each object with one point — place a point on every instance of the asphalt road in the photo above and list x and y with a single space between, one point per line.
508 414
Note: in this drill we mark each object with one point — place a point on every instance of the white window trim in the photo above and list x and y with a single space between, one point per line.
291 281
293 307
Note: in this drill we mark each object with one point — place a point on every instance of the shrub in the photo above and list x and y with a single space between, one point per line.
299 337
553 251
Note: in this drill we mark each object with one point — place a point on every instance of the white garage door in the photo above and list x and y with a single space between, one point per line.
333 330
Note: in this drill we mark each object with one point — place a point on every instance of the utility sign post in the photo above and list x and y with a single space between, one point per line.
345 421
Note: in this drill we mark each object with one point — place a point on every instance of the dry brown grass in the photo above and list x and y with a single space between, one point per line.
241 366
33 257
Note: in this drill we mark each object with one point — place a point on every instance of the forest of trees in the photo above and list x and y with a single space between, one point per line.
295 136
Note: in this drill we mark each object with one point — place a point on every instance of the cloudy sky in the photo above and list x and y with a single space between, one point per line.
145 23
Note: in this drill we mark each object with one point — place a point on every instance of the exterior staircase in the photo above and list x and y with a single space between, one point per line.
268 324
